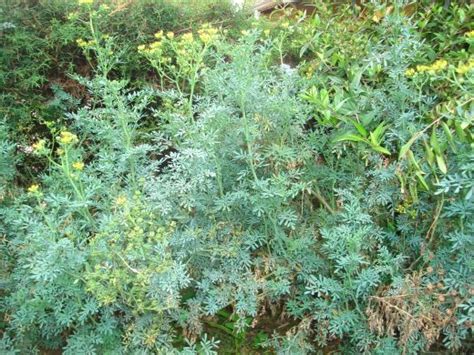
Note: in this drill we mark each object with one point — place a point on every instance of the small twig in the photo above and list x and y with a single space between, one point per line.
120 7
323 201
126 264
220 327
381 299
431 230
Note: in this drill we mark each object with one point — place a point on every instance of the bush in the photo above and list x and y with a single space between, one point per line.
231 202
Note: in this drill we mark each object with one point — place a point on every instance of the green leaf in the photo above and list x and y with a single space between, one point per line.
449 135
381 149
360 128
430 157
304 48
434 142
441 163
350 137
311 95
356 77
413 161
377 135
422 180
459 131
324 96
406 147
447 131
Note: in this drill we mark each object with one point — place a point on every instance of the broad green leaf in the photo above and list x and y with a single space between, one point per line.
380 149
324 95
430 157
447 131
449 135
406 147
350 137
459 131
441 163
422 180
305 48
361 129
311 95
413 192
377 134
412 160
357 76
434 142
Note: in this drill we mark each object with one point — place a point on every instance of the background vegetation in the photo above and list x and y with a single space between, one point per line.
186 178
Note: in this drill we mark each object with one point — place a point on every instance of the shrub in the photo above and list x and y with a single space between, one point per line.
321 206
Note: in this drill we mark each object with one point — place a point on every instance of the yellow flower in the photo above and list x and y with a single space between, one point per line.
469 34
422 68
159 35
170 35
78 165
85 2
464 68
285 25
121 200
39 146
410 72
34 188
207 34
141 47
156 45
67 138
438 65
187 37
81 43
266 33
72 16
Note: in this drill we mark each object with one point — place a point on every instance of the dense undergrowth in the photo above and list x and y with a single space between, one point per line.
188 179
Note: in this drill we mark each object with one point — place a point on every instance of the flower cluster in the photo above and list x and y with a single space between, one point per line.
39 146
154 48
67 138
34 188
438 66
121 200
78 165
84 44
208 34
463 68
433 68
85 2
187 38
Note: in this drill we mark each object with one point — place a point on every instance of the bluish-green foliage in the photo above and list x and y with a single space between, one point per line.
325 206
